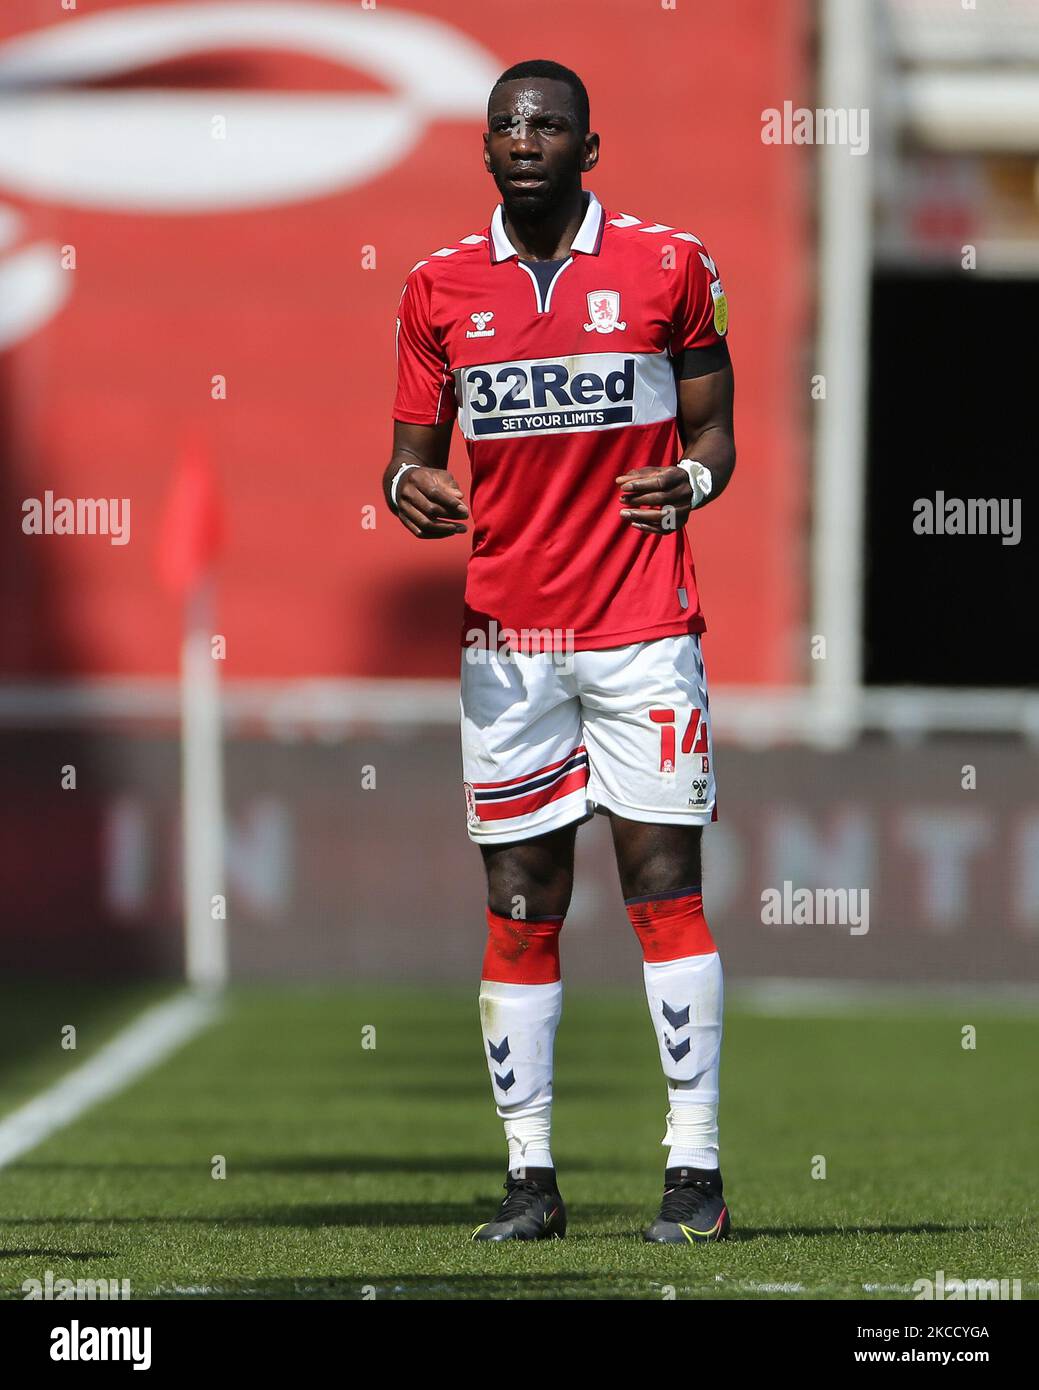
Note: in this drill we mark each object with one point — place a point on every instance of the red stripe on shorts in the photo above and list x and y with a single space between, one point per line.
532 801
527 776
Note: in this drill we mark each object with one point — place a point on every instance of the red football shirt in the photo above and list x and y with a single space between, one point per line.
557 395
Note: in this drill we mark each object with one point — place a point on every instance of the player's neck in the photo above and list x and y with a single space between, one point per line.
549 237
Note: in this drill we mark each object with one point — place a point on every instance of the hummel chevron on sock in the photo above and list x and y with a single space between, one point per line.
683 977
521 999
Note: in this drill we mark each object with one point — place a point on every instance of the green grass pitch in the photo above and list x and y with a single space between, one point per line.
357 1172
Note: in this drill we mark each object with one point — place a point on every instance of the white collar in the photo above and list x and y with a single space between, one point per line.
586 240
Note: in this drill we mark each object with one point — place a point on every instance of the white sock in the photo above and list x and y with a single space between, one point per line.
691 1136
519 1027
685 1000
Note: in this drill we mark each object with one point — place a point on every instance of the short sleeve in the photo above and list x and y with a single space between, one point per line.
425 387
700 316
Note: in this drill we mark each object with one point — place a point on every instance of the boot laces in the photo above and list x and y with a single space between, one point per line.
521 1195
686 1200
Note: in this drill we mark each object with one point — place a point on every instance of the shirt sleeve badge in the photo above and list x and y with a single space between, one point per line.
721 308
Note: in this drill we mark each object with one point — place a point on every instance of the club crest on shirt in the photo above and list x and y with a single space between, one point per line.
604 307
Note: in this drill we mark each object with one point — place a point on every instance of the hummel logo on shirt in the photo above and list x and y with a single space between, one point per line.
481 321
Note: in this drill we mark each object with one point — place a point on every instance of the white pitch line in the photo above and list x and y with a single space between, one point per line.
140 1046
787 998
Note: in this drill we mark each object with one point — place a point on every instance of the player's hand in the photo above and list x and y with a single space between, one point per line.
430 504
656 499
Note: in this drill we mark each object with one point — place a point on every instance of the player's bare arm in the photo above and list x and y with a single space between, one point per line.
661 499
429 501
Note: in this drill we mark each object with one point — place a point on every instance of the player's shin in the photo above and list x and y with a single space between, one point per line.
683 977
521 998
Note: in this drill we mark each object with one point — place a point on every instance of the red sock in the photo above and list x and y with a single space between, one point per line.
522 952
671 925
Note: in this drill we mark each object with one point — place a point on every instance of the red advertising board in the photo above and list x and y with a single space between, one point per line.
207 212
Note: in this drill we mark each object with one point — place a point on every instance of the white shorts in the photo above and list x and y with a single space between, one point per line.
548 739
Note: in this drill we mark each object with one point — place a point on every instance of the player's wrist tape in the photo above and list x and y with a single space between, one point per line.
395 482
700 480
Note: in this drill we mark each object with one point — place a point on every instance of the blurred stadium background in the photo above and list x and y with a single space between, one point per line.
206 190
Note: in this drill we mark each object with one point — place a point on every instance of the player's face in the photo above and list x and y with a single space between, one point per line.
533 147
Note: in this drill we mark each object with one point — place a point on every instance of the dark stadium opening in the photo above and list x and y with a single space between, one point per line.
952 426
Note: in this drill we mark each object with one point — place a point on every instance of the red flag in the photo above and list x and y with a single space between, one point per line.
191 529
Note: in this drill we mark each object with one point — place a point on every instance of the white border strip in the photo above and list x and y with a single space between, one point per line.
991 111
845 253
826 998
754 715
143 1044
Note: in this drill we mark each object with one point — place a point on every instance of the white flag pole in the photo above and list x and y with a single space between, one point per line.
202 796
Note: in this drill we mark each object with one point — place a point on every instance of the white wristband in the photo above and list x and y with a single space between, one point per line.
396 480
700 479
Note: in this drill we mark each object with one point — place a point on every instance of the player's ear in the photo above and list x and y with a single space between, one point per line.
591 152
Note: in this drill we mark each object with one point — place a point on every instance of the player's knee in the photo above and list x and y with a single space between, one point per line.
526 900
652 873
528 885
656 858
671 925
522 950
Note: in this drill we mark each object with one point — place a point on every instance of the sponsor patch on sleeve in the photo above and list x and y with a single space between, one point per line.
721 308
